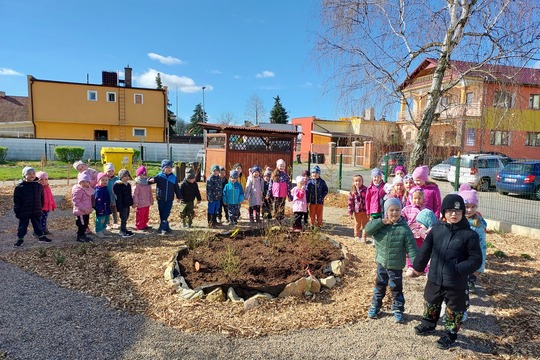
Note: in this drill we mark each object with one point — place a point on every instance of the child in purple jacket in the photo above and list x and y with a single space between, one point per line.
279 189
432 194
375 195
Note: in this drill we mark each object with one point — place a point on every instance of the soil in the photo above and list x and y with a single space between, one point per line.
257 258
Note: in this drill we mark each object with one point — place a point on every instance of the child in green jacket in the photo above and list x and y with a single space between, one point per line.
393 239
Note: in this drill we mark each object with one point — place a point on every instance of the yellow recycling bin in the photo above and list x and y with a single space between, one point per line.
121 158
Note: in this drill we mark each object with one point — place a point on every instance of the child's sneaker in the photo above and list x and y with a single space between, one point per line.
423 329
373 312
100 234
18 243
88 239
81 239
43 238
116 226
357 239
398 317
446 341
472 287
128 234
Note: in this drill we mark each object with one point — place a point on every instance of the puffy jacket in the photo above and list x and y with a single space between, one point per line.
189 191
392 242
102 200
28 199
454 250
142 193
166 186
110 184
214 188
82 200
280 187
122 191
242 179
49 204
254 190
233 193
374 198
432 198
357 201
316 191
410 212
299 203
481 231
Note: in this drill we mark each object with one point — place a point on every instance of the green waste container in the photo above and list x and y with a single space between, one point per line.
121 158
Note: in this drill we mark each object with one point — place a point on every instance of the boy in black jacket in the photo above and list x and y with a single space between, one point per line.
28 202
124 200
455 253
189 191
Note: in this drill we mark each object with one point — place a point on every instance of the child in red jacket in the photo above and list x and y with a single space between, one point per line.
49 203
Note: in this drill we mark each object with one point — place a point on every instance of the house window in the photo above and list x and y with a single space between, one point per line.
138 98
534 101
138 132
469 98
503 99
111 97
91 95
470 139
499 137
532 139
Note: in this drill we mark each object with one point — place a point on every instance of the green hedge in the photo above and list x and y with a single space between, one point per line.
3 153
69 153
136 155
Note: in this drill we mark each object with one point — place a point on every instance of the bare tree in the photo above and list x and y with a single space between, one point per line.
255 110
375 45
226 118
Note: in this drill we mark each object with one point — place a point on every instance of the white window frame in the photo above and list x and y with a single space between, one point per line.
534 101
111 93
139 135
89 96
135 98
469 98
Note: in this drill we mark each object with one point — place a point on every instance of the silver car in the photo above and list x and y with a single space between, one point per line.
478 170
440 171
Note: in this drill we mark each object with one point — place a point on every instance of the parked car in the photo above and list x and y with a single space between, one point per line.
478 170
395 158
440 171
520 177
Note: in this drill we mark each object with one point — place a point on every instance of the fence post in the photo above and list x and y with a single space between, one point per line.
386 167
46 151
340 173
456 175
354 150
309 162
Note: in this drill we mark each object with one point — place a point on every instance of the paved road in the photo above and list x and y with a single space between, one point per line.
494 206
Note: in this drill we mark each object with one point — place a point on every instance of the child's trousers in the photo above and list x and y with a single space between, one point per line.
315 214
82 224
142 215
279 208
101 222
187 211
124 216
457 301
44 218
23 226
234 213
298 216
385 278
360 221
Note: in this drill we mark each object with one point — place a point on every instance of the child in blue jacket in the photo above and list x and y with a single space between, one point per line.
315 193
233 195
166 188
102 204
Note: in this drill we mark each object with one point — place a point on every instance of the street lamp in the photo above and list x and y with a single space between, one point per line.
203 110
203 165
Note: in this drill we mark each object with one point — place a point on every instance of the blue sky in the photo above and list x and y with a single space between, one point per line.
236 49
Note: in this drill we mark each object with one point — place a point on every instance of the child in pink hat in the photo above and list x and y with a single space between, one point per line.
49 204
142 199
432 194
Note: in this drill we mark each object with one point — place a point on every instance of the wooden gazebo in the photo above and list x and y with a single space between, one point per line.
226 145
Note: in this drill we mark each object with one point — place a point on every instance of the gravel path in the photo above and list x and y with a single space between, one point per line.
39 320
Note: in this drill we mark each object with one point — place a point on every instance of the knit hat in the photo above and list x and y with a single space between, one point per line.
233 174
397 180
268 172
77 163
408 177
166 163
41 175
452 201
299 179
124 172
27 169
237 165
141 171
316 169
190 174
400 167
256 168
305 173
214 168
465 187
100 176
280 162
421 172
84 176
391 201
427 218
376 172
469 197
221 168
109 166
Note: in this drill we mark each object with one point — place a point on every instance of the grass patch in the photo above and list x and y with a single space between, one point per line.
500 254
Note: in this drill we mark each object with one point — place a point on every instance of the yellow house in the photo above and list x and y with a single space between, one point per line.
112 111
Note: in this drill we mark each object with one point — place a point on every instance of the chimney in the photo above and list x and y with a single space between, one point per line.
127 76
370 113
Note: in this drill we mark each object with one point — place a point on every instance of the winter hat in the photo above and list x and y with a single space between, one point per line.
26 170
237 165
84 176
233 174
256 168
109 166
124 172
166 163
268 172
408 177
469 197
376 172
421 172
280 162
221 168
214 168
190 174
77 163
299 179
41 175
141 171
427 218
100 176
397 180
305 173
465 187
400 167
391 201
452 201
316 169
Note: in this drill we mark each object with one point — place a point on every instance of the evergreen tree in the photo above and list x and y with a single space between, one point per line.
171 119
278 115
194 128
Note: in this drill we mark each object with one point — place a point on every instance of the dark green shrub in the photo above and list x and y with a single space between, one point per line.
3 153
69 153
136 155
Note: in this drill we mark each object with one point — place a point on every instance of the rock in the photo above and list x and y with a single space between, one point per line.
296 288
251 303
337 267
329 282
231 295
315 285
171 271
262 296
216 295
180 283
189 294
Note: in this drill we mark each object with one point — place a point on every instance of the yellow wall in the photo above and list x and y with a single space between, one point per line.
62 111
319 140
508 119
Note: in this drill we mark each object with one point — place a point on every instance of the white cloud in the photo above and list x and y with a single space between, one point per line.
183 83
536 65
169 60
265 74
9 72
216 72
237 77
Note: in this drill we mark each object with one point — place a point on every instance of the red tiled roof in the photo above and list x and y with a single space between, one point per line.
245 128
13 108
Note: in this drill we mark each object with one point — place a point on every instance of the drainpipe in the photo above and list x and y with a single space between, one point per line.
31 108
